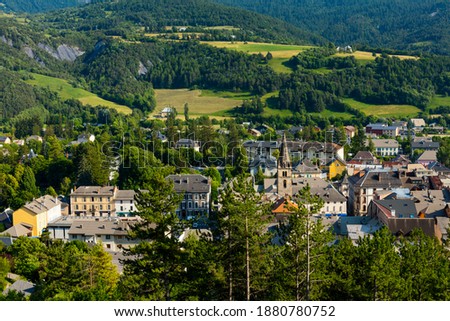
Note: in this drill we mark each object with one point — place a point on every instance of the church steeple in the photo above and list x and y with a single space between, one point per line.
284 161
284 170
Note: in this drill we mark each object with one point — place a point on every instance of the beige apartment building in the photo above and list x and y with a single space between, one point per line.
93 201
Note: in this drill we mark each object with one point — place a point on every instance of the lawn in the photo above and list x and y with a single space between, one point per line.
395 111
67 91
201 102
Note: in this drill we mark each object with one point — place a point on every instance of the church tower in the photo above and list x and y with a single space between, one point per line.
284 170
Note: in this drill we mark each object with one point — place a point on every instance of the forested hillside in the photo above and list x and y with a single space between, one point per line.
123 17
40 5
401 24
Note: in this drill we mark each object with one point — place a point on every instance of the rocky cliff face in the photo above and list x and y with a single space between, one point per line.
63 52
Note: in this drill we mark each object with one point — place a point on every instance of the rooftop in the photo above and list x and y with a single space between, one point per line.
194 183
94 190
42 204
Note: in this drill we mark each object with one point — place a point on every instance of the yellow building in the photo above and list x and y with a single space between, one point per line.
335 168
38 213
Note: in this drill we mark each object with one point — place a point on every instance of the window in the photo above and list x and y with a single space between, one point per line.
109 207
121 202
84 207
84 199
284 184
76 206
108 237
74 237
92 199
121 208
101 199
131 201
101 207
131 207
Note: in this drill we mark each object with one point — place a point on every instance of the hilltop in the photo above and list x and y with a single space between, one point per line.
400 24
33 6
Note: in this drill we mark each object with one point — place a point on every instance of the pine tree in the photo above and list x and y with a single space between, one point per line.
303 250
245 243
155 267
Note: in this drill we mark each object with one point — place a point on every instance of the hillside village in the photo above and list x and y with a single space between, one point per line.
178 151
380 186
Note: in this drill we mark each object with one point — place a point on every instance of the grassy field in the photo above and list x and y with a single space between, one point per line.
67 91
367 56
278 65
384 110
201 102
439 100
277 50
280 53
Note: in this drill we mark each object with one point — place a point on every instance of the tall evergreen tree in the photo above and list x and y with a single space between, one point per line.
245 241
155 268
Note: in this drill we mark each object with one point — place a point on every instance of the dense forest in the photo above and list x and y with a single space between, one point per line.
123 17
401 24
40 5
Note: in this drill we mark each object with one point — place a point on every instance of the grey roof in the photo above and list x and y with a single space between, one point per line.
428 155
380 126
364 156
3 139
306 167
431 202
385 143
376 179
261 144
438 167
425 145
402 208
83 227
194 183
125 195
17 231
319 187
42 204
93 191
260 160
21 286
184 142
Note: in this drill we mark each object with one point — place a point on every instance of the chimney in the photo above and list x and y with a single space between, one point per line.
379 177
393 212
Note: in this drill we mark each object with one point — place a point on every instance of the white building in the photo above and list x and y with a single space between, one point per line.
386 147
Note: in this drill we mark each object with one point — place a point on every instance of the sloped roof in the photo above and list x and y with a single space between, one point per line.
17 231
194 183
42 204
21 286
428 155
93 190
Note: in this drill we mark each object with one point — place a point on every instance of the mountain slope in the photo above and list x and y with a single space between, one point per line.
33 6
121 17
400 24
